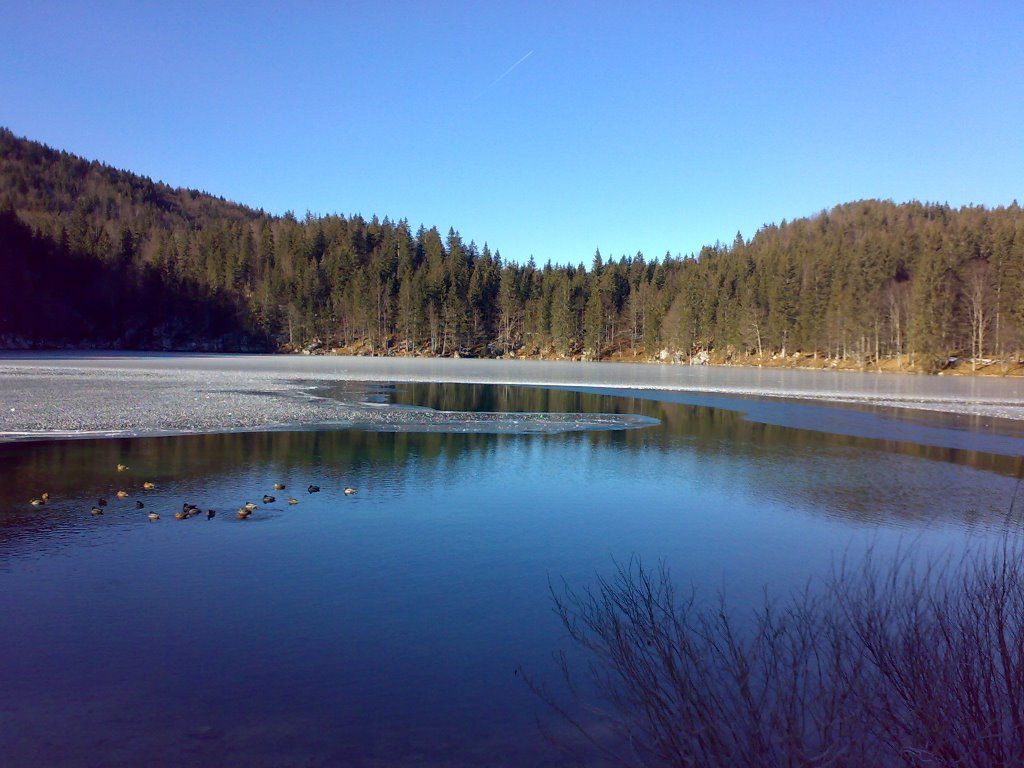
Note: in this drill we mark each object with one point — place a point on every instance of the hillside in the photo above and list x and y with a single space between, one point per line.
94 256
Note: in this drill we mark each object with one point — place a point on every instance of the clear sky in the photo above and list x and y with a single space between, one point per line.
548 129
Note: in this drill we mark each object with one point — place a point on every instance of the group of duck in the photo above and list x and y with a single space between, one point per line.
188 509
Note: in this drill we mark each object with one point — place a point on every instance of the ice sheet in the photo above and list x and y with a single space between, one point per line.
96 394
75 400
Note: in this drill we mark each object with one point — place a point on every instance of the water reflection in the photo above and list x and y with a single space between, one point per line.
384 628
861 478
744 421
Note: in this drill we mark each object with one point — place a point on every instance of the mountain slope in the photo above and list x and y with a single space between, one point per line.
94 256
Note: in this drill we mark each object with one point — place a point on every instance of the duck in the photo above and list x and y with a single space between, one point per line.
153 516
122 494
37 502
250 506
350 491
210 513
243 513
268 499
293 501
139 505
314 489
148 485
96 511
45 496
278 486
122 467
181 515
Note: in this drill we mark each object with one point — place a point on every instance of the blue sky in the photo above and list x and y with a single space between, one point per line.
657 127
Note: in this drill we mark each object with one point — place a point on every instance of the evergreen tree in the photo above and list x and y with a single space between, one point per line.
868 280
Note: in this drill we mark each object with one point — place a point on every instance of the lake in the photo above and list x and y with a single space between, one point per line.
388 626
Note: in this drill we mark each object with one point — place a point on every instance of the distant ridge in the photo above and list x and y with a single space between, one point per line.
93 256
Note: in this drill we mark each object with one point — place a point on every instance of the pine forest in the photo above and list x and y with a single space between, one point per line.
97 257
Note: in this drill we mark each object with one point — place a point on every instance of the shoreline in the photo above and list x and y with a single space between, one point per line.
955 366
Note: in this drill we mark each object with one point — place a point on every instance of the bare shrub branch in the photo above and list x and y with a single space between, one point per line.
900 665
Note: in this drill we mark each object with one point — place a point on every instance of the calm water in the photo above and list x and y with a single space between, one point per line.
385 628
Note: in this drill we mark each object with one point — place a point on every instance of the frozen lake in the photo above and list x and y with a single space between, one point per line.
59 394
385 627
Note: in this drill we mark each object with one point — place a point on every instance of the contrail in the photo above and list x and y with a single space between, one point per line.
505 74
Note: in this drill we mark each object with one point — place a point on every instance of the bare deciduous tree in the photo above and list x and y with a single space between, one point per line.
978 290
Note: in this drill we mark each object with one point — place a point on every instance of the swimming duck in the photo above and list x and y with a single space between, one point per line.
268 499
250 506
37 502
122 467
314 489
153 516
349 491
96 511
139 505
293 501
45 496
243 513
278 486
148 485
181 515
210 513
122 494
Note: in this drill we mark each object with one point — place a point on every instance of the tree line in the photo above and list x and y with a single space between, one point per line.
97 255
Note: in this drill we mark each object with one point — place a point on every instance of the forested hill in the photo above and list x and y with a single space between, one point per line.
93 256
